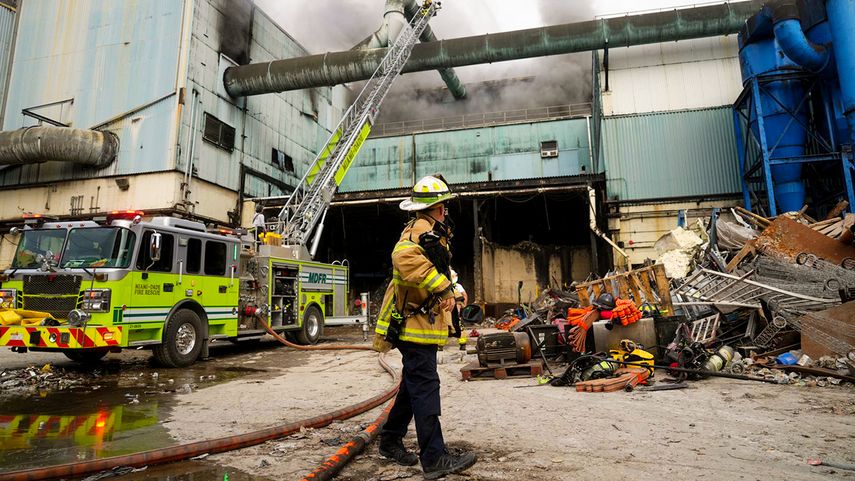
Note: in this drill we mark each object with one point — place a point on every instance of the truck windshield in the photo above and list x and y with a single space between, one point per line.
35 243
98 247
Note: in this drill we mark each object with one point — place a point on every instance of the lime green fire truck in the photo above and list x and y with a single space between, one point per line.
169 285
165 284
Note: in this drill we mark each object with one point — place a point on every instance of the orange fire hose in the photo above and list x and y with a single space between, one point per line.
229 443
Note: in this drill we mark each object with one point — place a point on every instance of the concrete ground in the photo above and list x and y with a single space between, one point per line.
717 429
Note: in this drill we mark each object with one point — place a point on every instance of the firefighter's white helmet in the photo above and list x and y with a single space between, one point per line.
427 192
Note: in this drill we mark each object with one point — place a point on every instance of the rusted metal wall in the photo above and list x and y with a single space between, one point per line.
294 123
506 152
88 62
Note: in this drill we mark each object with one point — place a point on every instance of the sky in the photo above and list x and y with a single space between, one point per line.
334 25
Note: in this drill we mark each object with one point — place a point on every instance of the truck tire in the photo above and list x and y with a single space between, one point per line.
182 340
86 356
313 327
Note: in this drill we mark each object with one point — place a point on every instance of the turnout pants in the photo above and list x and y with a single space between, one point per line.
418 398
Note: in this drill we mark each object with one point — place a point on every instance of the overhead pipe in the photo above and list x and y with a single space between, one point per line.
448 75
398 14
33 145
794 42
841 20
334 68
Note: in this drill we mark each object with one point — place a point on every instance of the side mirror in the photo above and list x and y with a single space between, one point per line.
154 248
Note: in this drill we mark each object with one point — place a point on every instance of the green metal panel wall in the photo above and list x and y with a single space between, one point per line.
672 154
507 152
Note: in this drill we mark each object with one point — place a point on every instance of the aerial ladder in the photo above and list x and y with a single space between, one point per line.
306 207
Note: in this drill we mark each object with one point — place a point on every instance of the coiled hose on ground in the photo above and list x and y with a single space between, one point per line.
229 443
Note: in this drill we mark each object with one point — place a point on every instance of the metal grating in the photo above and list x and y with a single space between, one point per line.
58 307
52 284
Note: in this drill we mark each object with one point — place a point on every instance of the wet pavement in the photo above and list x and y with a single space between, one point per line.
107 409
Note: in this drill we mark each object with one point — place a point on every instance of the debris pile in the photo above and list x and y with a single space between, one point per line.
45 378
738 296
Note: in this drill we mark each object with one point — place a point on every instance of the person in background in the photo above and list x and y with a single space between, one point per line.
258 223
460 299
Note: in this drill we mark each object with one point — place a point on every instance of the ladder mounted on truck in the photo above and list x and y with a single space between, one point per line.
306 207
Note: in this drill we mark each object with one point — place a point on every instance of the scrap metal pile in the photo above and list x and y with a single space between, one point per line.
739 296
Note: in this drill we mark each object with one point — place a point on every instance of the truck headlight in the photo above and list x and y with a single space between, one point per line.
96 300
8 298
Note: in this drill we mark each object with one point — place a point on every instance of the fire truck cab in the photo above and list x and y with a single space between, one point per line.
85 288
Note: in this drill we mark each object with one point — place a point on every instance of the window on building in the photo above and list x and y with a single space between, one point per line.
282 160
548 149
167 248
194 256
215 258
219 133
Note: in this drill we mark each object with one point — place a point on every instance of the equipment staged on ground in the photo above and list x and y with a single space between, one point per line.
234 246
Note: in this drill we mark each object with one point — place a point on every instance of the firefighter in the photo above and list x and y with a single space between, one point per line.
414 318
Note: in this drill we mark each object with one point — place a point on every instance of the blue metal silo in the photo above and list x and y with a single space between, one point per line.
791 111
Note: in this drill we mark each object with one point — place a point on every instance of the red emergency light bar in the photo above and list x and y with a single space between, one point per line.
124 215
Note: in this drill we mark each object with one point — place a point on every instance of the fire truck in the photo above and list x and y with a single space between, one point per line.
164 283
88 287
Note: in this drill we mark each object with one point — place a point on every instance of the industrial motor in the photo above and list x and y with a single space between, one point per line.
503 347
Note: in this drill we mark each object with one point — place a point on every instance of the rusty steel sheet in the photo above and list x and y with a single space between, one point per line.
786 238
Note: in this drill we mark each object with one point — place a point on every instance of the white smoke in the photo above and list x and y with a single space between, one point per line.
334 25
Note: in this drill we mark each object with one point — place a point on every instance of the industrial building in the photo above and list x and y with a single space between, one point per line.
549 194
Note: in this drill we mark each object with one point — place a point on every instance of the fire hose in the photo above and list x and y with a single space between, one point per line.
230 443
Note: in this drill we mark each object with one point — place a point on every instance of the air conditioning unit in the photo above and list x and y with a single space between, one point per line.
549 149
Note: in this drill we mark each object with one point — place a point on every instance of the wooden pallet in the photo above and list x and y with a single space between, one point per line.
646 284
474 370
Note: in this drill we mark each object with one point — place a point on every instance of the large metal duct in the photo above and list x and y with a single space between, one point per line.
34 145
397 15
341 67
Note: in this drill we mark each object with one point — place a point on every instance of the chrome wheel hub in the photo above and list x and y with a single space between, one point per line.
185 339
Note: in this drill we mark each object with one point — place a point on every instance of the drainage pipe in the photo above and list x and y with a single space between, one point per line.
33 145
794 42
841 19
341 67
219 445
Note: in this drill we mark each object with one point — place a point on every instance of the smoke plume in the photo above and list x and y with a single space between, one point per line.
329 25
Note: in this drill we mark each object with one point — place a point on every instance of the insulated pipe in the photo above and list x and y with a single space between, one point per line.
448 75
794 42
341 67
841 19
33 145
398 14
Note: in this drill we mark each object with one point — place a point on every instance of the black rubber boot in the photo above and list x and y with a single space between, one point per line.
393 448
449 464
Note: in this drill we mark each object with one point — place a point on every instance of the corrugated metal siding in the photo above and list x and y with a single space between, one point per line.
7 30
673 154
506 152
689 74
110 58
296 123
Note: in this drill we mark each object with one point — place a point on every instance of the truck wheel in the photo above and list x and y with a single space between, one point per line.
182 340
86 356
313 327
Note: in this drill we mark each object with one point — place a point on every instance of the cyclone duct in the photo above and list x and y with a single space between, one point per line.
398 14
334 68
33 145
